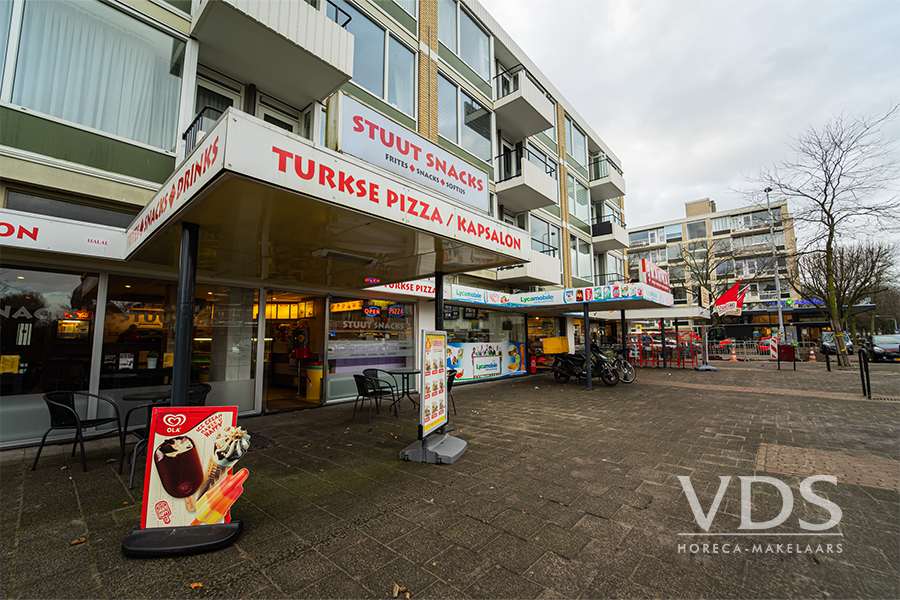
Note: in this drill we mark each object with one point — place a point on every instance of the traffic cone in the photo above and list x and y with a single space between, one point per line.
812 355
733 355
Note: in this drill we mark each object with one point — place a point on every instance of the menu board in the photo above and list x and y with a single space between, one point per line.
433 404
188 479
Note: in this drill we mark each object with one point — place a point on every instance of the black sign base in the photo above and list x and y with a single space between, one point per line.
180 541
441 449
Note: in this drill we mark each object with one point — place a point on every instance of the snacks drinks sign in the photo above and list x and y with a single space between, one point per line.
433 400
191 452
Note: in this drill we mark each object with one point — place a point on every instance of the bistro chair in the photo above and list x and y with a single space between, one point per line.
383 384
64 415
366 389
451 375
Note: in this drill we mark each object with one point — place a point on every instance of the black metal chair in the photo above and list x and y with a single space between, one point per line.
64 415
451 375
366 389
385 385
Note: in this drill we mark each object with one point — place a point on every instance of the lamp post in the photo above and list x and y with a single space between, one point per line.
775 264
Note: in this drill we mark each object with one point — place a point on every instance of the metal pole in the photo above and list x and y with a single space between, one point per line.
586 332
677 346
624 335
775 267
184 316
439 301
662 334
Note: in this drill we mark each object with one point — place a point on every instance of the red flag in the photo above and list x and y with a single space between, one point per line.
732 301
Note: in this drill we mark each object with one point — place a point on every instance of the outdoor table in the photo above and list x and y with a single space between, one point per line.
405 374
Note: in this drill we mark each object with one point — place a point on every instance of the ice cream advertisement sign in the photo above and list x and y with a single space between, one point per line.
188 479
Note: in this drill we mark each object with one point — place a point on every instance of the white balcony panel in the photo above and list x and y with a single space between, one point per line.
524 112
528 191
608 236
542 270
286 48
611 186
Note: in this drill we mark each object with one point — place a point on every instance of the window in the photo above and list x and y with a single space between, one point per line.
647 238
581 258
673 233
698 252
674 253
322 128
470 127
278 114
67 210
469 40
720 225
676 272
544 237
696 230
539 159
381 63
93 65
725 269
579 200
407 5
6 7
576 143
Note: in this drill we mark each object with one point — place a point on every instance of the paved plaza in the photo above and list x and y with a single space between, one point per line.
563 493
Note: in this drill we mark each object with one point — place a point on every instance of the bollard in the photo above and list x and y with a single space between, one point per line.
828 362
864 373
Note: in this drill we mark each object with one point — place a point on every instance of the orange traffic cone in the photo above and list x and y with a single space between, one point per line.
812 355
733 355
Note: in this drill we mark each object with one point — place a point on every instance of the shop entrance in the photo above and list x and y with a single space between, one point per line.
295 345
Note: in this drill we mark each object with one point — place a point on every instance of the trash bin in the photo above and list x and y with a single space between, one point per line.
786 352
314 372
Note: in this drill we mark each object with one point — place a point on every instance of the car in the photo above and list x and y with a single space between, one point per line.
764 345
826 344
885 348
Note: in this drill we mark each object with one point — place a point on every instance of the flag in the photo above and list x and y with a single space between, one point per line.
731 302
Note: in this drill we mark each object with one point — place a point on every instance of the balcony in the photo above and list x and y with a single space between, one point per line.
524 181
608 233
607 180
288 48
522 107
609 279
543 269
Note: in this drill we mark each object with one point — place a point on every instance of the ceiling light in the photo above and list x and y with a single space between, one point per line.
128 286
347 257
21 277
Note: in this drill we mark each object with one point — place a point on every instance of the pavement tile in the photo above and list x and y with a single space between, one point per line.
566 577
458 566
511 552
518 523
334 586
440 591
604 530
73 584
363 557
500 583
471 533
419 545
402 572
560 540
297 571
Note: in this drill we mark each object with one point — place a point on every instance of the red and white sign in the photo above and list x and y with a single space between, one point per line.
731 302
654 276
179 458
37 232
378 140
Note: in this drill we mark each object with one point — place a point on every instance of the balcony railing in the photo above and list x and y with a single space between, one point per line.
506 82
509 164
543 247
609 279
600 167
599 226
202 122
336 13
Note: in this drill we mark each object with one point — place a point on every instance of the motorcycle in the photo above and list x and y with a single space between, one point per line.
566 366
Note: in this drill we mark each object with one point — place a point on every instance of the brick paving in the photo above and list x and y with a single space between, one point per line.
563 493
803 462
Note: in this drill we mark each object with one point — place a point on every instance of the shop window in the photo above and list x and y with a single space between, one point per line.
485 344
90 64
47 320
67 210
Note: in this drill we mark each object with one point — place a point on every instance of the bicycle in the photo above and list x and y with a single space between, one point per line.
625 369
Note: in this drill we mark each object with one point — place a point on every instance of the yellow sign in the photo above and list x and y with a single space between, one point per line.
9 363
168 359
345 306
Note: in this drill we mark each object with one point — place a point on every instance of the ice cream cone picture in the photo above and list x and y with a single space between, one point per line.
231 444
213 506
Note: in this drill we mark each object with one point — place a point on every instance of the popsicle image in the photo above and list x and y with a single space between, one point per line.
178 466
231 444
214 505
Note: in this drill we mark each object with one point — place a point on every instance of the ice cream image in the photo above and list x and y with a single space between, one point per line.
213 507
231 444
178 466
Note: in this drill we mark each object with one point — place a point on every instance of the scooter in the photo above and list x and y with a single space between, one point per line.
566 366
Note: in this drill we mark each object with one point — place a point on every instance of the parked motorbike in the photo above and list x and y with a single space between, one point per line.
566 366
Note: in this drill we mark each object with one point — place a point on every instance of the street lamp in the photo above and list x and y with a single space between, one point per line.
775 264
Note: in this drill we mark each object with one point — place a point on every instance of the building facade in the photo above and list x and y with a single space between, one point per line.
121 118
707 252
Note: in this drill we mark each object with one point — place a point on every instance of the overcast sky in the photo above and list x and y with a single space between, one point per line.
691 95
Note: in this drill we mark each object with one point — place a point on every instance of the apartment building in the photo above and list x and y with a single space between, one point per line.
334 155
707 251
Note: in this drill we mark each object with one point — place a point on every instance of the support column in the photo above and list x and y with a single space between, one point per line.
586 332
662 335
184 316
624 334
439 301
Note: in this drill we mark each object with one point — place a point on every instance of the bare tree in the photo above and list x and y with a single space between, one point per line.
840 179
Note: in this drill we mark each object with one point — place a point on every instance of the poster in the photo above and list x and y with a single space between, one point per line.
189 478
433 399
483 360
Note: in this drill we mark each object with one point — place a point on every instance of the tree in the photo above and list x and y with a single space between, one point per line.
840 180
862 270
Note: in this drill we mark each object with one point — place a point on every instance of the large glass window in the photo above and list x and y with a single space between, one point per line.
471 126
5 19
581 258
673 233
91 64
401 69
696 230
447 107
408 5
470 41
47 321
720 225
647 238
67 210
544 237
576 143
579 200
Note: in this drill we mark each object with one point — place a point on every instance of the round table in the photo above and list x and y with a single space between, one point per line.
405 373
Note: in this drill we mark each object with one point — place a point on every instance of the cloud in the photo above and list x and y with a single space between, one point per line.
693 94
